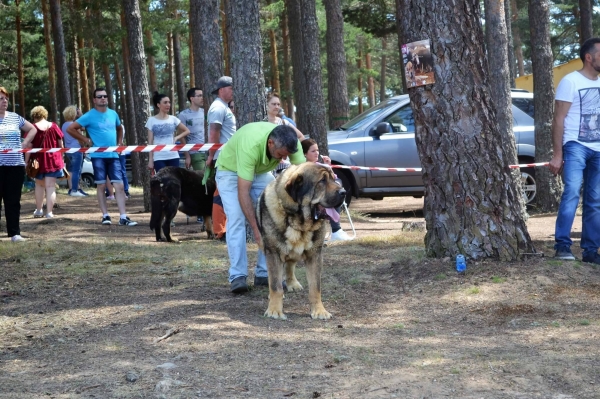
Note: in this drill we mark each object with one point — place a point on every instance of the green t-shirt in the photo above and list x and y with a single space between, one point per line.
246 151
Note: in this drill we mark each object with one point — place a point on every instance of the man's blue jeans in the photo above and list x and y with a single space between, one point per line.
581 165
227 183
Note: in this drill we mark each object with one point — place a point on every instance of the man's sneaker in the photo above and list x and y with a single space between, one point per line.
17 238
83 192
340 235
261 281
127 222
594 258
49 215
239 286
564 254
38 213
106 220
76 194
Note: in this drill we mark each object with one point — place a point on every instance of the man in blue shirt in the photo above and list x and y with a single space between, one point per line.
104 128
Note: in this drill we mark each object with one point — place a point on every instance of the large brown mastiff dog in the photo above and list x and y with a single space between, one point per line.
292 218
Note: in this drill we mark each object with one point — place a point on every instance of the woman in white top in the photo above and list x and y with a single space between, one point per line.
273 106
162 128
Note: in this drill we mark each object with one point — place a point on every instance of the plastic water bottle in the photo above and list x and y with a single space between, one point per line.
461 263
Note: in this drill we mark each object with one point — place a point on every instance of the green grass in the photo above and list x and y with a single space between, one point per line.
441 276
498 280
473 291
584 322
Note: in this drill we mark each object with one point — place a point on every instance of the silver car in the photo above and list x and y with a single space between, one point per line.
384 136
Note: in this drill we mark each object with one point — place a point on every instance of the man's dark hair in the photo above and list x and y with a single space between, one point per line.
97 89
192 93
588 47
285 137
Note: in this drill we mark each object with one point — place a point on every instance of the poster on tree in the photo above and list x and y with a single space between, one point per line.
418 63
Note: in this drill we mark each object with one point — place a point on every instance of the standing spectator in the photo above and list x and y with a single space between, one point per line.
193 119
576 142
243 172
46 135
12 165
76 158
104 128
222 126
161 130
273 108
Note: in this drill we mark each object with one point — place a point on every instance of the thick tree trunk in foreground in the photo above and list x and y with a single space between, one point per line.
50 59
549 187
470 196
139 82
246 60
337 86
60 56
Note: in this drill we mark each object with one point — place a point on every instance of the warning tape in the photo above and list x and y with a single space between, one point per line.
206 147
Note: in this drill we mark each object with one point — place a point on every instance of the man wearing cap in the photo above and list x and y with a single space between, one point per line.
243 172
222 126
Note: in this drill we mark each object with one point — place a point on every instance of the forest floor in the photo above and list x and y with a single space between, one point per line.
82 308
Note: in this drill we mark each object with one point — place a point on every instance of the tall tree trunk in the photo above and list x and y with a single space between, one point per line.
170 75
151 62
20 69
274 63
585 19
518 45
499 79
137 167
382 76
206 34
399 10
74 70
225 34
337 85
316 124
64 90
246 60
91 62
181 101
104 65
359 82
549 187
139 81
82 67
191 60
122 100
470 195
294 15
287 74
50 61
510 43
370 81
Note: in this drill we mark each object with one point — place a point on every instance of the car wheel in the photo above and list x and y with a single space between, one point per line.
346 184
528 185
87 181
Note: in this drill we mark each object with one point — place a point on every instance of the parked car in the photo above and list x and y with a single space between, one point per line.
384 136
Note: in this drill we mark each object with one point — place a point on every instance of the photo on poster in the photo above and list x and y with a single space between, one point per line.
418 63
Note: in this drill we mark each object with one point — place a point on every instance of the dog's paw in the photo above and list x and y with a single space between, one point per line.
319 312
275 314
294 285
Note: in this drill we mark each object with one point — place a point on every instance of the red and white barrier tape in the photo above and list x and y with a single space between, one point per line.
206 147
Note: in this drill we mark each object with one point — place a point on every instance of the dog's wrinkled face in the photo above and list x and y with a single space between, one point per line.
314 185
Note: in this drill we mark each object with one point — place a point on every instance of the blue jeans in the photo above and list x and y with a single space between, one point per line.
76 162
103 167
581 165
124 173
227 183
158 165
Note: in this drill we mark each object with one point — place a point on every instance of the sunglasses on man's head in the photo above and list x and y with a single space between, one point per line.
102 96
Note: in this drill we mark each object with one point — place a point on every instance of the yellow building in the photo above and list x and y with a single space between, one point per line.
526 81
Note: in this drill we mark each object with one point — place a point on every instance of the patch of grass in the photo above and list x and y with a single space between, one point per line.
441 276
555 324
398 326
498 280
454 371
554 262
473 291
357 216
584 322
354 281
406 239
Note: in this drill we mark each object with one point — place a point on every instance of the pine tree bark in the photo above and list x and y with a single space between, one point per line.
274 63
139 82
50 60
75 79
510 48
82 68
399 10
549 187
469 194
225 35
245 46
104 64
151 62
181 100
91 64
315 119
337 85
382 77
208 53
359 82
119 92
287 64
20 69
518 44
585 19
294 18
370 82
170 75
191 61
60 57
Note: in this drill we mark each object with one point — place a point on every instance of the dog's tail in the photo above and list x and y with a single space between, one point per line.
156 206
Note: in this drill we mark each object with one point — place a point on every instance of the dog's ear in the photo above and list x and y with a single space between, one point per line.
297 187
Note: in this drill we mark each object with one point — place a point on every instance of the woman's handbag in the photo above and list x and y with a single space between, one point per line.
32 168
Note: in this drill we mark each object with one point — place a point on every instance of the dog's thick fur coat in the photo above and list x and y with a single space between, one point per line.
292 222
172 186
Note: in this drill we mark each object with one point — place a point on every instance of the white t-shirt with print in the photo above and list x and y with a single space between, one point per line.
164 133
582 123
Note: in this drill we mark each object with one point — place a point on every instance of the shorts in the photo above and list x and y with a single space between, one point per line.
110 167
57 173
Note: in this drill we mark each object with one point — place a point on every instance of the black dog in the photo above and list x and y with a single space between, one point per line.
172 186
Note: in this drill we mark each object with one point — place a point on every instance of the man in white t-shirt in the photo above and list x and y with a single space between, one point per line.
576 145
193 119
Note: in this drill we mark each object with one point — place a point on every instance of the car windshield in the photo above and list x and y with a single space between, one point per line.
368 116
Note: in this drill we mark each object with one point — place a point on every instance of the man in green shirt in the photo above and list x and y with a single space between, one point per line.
243 172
